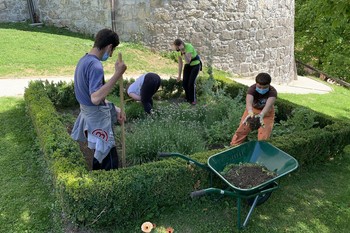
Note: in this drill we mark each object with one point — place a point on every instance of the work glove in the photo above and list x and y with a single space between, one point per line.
250 115
261 119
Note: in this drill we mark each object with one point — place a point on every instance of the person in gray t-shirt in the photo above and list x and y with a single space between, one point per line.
97 114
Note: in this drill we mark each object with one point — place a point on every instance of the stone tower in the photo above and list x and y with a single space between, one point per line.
244 37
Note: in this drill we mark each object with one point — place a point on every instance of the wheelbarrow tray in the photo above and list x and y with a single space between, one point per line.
258 152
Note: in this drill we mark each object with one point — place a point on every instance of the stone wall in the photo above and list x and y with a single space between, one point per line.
13 10
244 37
85 16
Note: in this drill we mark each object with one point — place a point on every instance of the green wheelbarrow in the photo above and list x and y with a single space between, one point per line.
258 152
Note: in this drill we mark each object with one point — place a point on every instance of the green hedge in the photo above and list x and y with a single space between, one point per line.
315 145
98 198
101 198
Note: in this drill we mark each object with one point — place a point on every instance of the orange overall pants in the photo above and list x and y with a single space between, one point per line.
263 133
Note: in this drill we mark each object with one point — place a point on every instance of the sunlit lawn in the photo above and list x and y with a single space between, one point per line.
48 51
26 202
335 103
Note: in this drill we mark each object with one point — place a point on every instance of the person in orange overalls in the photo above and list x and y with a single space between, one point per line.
259 103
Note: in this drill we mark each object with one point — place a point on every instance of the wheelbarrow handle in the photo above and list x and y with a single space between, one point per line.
174 154
166 154
198 193
212 190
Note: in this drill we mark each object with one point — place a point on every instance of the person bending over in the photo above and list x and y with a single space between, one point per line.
144 88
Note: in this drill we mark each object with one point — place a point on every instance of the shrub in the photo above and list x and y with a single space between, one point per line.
185 129
134 110
170 128
222 117
170 88
155 134
300 119
173 55
315 145
61 94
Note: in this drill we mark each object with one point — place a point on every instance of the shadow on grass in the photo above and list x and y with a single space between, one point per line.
26 203
25 26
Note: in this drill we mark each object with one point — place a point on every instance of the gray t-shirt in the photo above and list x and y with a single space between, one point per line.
135 87
88 78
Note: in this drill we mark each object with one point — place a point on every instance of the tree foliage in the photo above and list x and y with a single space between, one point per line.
322 35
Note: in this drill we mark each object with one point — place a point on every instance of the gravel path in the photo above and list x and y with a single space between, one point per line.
15 86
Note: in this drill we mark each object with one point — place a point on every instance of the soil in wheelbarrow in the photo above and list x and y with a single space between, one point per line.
247 175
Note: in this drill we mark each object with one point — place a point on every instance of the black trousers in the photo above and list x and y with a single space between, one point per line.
108 163
149 87
190 74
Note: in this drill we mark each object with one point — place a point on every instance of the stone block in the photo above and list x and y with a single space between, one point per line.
241 35
227 35
195 13
259 35
156 3
246 24
204 5
2 6
242 5
234 25
273 43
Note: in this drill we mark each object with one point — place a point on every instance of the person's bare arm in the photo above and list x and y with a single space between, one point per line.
135 96
269 103
180 68
249 107
101 94
187 57
249 102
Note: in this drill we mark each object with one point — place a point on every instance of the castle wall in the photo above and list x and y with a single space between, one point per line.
244 37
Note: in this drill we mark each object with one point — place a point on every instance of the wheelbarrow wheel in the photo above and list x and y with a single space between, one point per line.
262 198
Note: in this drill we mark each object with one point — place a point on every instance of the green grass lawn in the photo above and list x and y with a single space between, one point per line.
335 103
312 199
48 51
26 202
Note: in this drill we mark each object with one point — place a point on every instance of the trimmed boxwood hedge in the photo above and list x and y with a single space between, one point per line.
102 198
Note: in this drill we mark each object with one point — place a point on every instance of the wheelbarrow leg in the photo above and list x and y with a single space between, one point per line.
251 210
239 213
239 201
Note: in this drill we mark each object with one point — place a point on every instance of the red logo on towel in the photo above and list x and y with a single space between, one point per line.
100 134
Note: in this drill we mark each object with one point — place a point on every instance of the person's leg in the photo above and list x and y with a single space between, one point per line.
156 81
269 119
111 160
108 163
185 80
242 132
96 164
149 87
192 84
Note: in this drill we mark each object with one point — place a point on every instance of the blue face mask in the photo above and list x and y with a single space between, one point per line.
105 56
262 91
